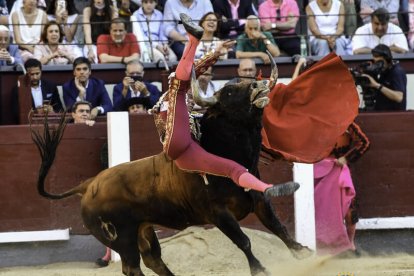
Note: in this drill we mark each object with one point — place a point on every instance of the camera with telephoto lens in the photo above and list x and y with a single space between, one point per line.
368 93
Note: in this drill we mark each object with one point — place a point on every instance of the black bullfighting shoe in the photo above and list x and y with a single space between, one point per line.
284 189
191 28
101 262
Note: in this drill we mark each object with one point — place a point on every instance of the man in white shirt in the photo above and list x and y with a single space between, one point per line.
379 31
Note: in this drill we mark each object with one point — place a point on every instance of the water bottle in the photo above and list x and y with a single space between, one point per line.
303 48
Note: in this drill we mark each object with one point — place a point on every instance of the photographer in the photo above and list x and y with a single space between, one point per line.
132 86
390 88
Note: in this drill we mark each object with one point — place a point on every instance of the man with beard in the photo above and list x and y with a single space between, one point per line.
379 31
85 88
43 94
119 46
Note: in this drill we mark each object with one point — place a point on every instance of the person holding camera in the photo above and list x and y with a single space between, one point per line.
133 85
391 86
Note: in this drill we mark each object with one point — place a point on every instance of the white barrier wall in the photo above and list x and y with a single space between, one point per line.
118 145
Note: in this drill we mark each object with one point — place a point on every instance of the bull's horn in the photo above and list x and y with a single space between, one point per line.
274 73
198 99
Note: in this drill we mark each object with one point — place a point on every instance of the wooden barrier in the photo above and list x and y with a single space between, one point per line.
382 177
114 73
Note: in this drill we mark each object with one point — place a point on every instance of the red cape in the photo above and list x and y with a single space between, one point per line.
304 118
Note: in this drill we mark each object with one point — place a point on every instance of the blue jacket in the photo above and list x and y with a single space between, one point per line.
120 101
96 94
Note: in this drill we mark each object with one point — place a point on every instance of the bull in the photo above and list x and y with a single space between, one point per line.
121 205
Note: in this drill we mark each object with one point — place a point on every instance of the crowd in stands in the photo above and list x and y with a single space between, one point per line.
133 31
155 30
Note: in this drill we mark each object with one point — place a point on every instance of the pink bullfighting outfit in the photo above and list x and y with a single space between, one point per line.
335 193
178 144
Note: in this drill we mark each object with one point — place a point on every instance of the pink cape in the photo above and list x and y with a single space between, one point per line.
334 192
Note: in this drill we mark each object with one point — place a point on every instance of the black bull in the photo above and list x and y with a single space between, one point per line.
121 204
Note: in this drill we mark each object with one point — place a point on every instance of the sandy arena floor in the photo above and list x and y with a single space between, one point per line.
197 251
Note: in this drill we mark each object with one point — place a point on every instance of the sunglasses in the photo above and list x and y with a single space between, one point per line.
278 16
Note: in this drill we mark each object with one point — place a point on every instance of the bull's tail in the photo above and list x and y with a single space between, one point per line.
47 144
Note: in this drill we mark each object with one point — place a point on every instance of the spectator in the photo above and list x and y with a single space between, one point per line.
51 51
174 31
148 27
43 94
254 43
4 13
9 54
392 83
379 31
369 6
14 5
96 20
246 71
280 18
209 41
126 8
83 87
326 23
119 46
133 86
81 113
28 22
65 14
138 105
233 14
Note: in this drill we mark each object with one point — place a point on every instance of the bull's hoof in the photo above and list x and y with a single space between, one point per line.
101 262
284 189
260 271
302 252
191 28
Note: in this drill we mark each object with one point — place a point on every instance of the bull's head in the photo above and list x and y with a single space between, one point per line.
242 101
258 90
244 94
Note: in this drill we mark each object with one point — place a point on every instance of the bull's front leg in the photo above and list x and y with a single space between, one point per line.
231 228
266 214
